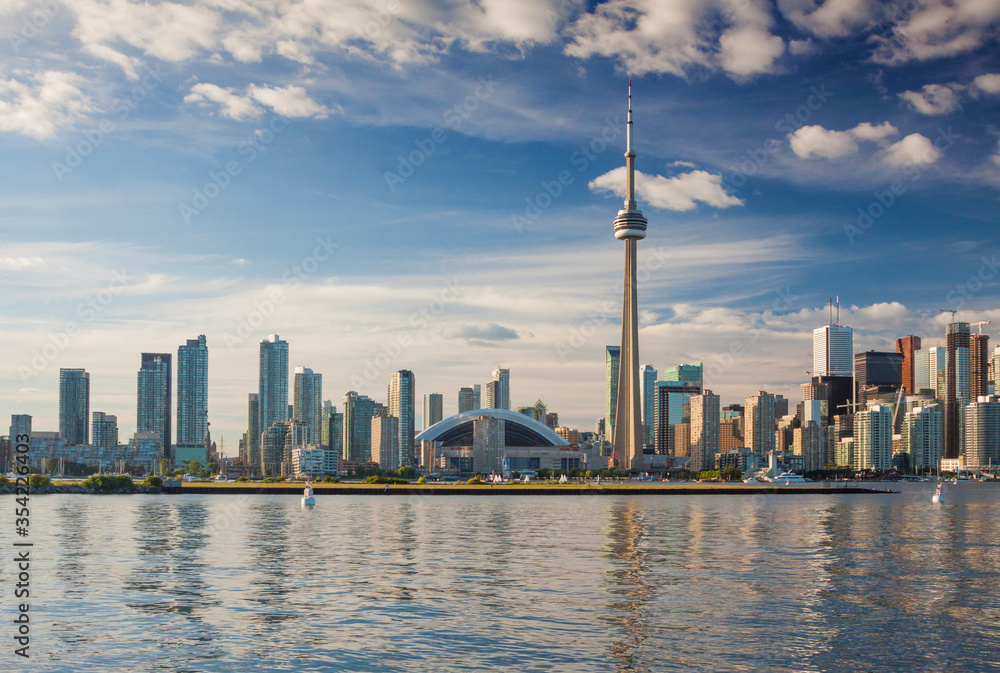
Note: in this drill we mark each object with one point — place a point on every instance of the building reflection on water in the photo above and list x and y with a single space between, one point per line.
628 582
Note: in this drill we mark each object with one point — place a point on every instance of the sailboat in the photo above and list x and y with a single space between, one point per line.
308 499
938 497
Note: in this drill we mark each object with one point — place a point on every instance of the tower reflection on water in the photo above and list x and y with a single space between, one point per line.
628 581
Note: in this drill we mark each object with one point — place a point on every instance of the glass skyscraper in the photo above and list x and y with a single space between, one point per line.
154 399
273 382
308 403
612 354
192 391
648 404
401 405
433 409
105 430
358 413
833 351
74 406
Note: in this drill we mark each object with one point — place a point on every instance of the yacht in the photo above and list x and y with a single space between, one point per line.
308 499
788 478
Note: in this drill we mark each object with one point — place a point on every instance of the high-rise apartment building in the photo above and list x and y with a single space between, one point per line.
873 438
433 409
358 413
307 402
192 391
154 399
498 395
705 414
74 406
385 448
692 373
982 433
979 361
907 347
833 348
104 430
402 400
937 369
808 441
921 372
957 386
648 405
273 382
611 357
254 429
671 408
468 398
759 423
20 425
923 436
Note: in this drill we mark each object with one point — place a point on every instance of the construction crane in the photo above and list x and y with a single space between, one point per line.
944 310
980 325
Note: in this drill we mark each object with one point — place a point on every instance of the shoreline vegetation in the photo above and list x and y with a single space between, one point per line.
123 485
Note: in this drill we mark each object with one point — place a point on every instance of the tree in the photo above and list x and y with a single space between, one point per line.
590 474
544 473
164 467
194 467
51 465
732 473
407 472
213 468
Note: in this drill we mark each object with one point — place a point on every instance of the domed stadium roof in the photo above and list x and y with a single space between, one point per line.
519 430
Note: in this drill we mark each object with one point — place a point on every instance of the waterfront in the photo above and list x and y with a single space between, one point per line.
632 583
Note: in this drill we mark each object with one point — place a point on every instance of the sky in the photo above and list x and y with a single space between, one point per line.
431 185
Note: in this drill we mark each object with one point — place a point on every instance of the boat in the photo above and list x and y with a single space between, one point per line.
308 499
789 478
751 480
938 496
563 479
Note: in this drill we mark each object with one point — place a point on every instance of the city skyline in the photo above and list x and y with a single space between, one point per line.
844 153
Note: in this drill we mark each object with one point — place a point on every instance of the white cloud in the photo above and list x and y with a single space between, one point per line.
41 105
290 101
913 150
802 47
937 29
680 192
676 36
934 99
989 83
232 104
20 263
832 18
816 141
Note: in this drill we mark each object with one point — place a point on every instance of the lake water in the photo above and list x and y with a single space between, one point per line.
547 583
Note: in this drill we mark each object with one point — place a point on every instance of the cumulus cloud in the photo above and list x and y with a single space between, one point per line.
934 99
815 141
675 36
40 105
913 150
681 192
936 29
989 83
832 18
291 101
488 332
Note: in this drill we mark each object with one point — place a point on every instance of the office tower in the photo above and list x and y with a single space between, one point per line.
20 424
433 409
630 227
324 423
979 359
358 413
759 422
307 400
498 396
648 404
873 438
154 399
833 346
192 391
335 425
704 431
612 355
692 373
957 385
921 372
74 406
477 396
273 381
104 431
670 404
818 392
402 400
907 347
881 371
385 449
923 436
254 429
982 432
466 399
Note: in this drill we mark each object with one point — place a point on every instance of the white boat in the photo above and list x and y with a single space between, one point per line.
938 496
563 479
308 499
751 480
789 478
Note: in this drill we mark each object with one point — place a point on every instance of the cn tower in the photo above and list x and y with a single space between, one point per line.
630 226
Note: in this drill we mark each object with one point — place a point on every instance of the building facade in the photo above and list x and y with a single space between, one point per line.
307 402
358 413
833 350
402 400
759 422
154 399
104 430
433 409
74 406
705 417
273 382
192 391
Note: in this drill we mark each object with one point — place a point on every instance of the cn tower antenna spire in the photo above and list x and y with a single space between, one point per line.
629 156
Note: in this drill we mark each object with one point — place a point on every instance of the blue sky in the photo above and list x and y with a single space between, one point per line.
430 186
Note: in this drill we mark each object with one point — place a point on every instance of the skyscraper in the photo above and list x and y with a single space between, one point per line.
358 413
982 432
937 369
402 400
308 402
908 346
692 373
253 429
20 424
923 436
759 422
433 409
921 372
611 359
104 428
957 384
873 438
671 408
154 399
467 399
877 371
74 406
192 391
630 226
385 448
273 381
498 396
704 431
648 404
833 348
979 359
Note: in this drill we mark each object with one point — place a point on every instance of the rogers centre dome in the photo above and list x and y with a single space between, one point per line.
519 430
